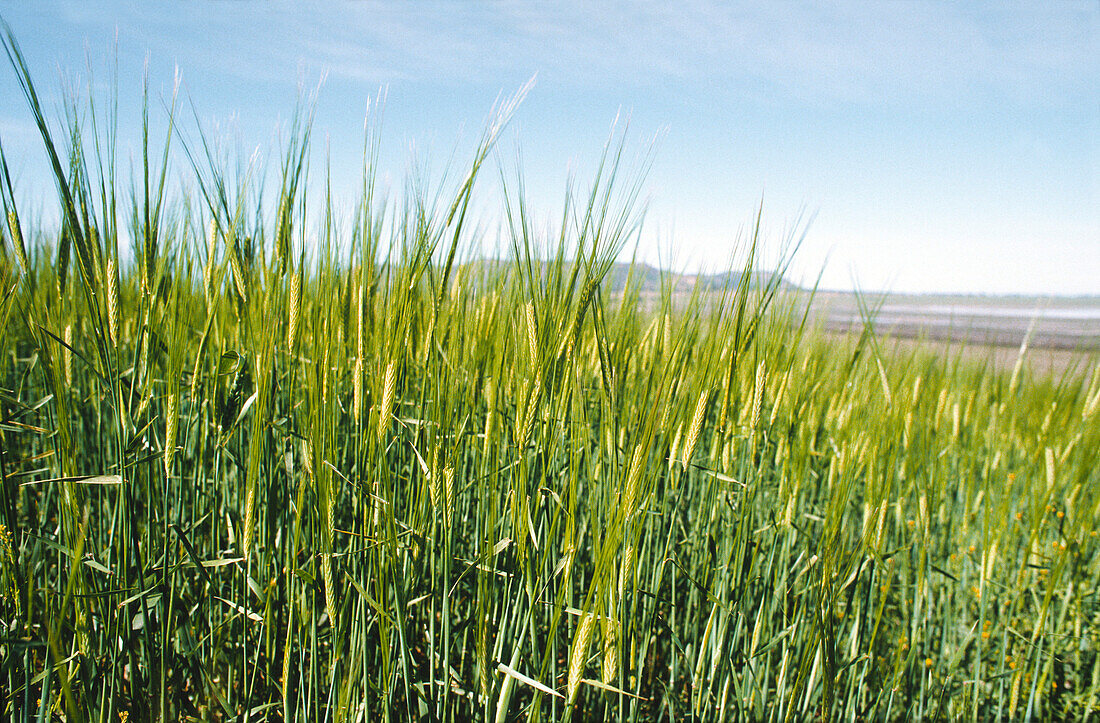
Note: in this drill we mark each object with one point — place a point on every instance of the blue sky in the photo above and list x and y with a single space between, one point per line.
938 146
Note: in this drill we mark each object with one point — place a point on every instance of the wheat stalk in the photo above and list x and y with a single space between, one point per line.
490 414
326 559
295 310
112 300
448 494
237 271
611 633
578 654
67 355
695 428
757 395
170 427
483 655
17 241
208 269
634 481
626 571
385 412
357 374
532 332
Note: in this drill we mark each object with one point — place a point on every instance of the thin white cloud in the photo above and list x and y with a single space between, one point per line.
822 52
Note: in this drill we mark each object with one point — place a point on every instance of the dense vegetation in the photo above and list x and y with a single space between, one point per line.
263 468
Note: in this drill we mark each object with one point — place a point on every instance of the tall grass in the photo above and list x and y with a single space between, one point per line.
262 469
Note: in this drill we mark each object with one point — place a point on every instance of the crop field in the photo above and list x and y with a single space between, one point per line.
261 461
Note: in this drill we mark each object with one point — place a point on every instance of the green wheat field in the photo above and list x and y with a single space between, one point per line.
264 459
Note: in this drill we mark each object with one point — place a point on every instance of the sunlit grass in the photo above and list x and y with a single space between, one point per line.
248 475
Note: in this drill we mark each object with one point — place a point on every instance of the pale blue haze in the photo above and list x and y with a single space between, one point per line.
939 146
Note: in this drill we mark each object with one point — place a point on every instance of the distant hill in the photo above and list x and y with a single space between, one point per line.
649 278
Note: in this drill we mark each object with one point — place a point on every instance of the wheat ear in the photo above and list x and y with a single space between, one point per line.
578 656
